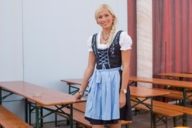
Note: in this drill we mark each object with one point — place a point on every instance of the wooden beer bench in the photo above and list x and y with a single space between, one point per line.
10 120
177 95
166 110
78 115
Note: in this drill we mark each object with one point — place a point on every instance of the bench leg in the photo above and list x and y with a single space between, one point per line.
127 126
41 112
67 121
56 120
174 121
184 120
166 124
154 121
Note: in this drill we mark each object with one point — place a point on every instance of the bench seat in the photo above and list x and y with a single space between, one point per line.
10 120
183 109
159 110
177 95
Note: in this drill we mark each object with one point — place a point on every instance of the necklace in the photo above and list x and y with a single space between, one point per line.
105 37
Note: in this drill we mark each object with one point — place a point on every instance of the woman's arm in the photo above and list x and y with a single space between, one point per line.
126 55
87 74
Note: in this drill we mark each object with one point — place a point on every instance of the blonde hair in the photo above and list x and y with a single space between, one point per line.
113 29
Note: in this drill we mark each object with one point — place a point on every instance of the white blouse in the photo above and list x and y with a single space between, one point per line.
125 41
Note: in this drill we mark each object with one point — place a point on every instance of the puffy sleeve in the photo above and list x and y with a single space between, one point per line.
89 43
125 41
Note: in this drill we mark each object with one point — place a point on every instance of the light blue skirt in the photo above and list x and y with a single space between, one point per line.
103 98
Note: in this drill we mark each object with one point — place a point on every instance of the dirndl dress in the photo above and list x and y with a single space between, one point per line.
102 106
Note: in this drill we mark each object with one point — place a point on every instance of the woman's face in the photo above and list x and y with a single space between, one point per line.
105 19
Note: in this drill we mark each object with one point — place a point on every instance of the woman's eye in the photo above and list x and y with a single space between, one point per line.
100 17
106 15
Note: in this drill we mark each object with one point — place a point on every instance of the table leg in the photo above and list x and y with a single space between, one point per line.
149 106
26 111
37 119
30 111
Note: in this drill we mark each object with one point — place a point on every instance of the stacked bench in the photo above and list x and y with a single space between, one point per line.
10 120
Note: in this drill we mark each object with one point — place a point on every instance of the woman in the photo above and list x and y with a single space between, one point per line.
107 73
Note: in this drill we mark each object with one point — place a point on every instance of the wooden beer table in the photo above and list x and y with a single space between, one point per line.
39 96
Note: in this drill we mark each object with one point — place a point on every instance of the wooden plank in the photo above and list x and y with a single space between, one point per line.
163 82
177 95
178 75
160 110
10 120
178 108
40 95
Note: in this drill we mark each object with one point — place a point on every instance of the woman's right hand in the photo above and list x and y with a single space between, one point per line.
78 95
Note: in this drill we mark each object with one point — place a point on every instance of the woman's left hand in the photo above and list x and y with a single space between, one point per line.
122 99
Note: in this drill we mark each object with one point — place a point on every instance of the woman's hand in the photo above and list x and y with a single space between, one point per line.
78 95
122 99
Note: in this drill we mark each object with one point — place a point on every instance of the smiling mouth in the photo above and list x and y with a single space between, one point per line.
105 24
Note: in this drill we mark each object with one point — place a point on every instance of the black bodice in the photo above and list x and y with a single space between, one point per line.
109 57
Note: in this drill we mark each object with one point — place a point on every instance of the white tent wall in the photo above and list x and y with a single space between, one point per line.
11 48
55 37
